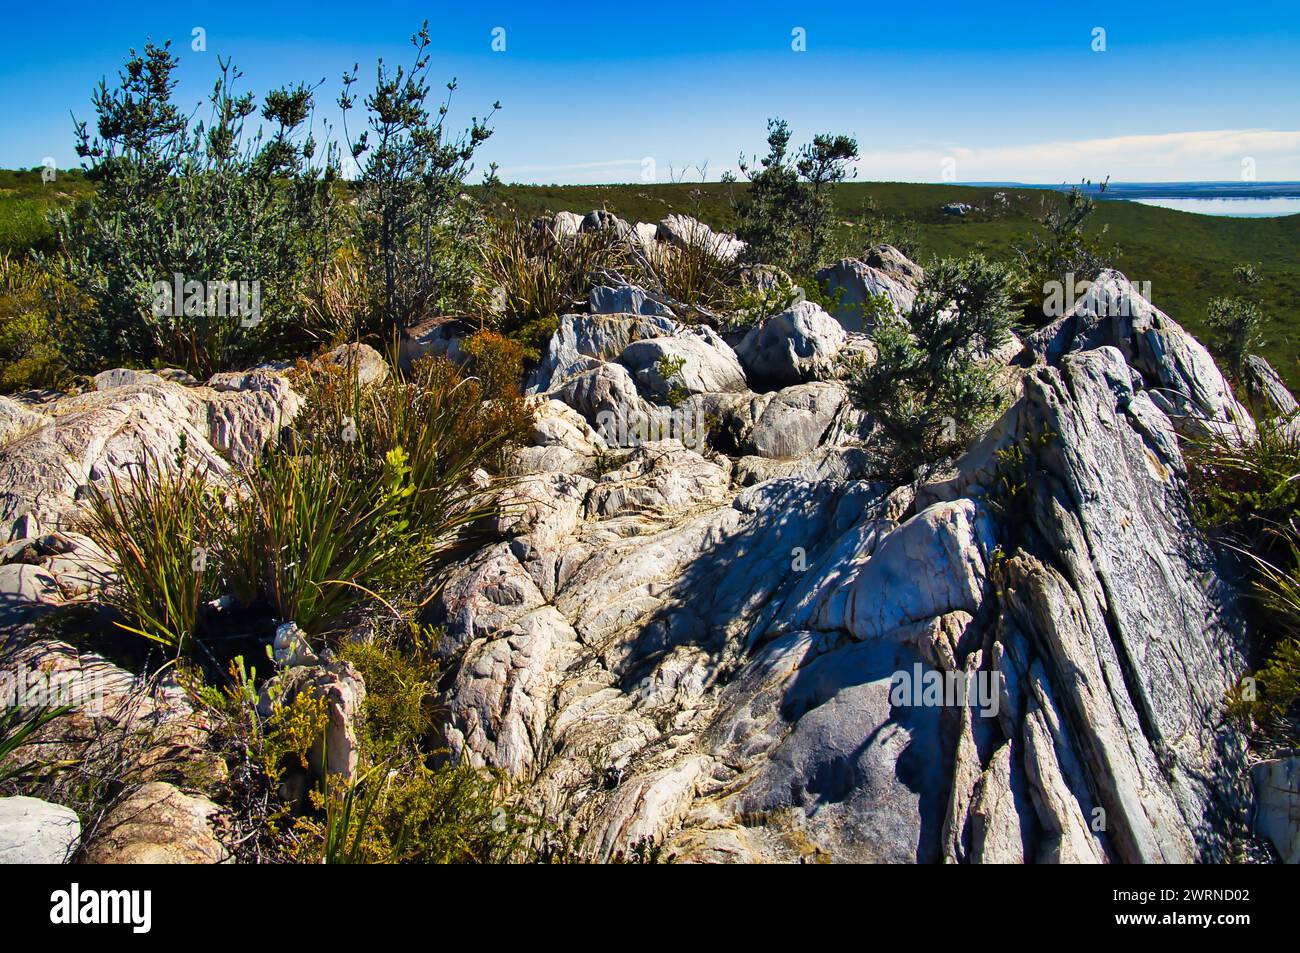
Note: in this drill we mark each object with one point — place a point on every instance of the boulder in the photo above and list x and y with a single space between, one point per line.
793 347
600 219
607 398
88 439
123 377
33 831
707 365
795 421
891 261
157 824
246 414
560 440
582 341
854 281
1265 387
566 224
1177 371
1277 804
25 589
434 337
625 299
368 364
683 231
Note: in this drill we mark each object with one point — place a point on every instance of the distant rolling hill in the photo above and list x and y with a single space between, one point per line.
1187 258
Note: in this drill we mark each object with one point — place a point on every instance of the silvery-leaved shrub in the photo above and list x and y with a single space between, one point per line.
209 204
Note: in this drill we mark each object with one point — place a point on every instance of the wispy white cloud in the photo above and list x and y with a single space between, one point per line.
1210 155
1220 154
581 169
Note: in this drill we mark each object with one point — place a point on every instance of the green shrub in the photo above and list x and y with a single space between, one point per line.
1247 496
930 388
1236 323
362 508
315 538
1061 247
399 709
377 496
338 303
786 214
30 299
696 275
416 231
1244 490
411 813
498 363
203 201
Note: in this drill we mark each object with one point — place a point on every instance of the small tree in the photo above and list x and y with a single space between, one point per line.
413 217
931 388
787 213
1236 322
823 164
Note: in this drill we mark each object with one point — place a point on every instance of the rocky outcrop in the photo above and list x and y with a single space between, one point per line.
157 824
658 655
1177 371
793 347
33 831
17 419
710 626
135 419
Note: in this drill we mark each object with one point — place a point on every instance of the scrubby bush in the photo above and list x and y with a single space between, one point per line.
699 274
163 524
931 388
787 213
405 804
877 228
378 494
239 219
338 304
361 509
1236 323
415 225
31 299
1061 247
1247 496
498 364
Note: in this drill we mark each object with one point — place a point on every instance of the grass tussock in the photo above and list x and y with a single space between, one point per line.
529 276
356 514
1247 495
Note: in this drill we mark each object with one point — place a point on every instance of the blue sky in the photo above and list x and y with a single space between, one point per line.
972 91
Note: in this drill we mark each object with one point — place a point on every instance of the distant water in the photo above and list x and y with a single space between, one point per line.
1234 207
